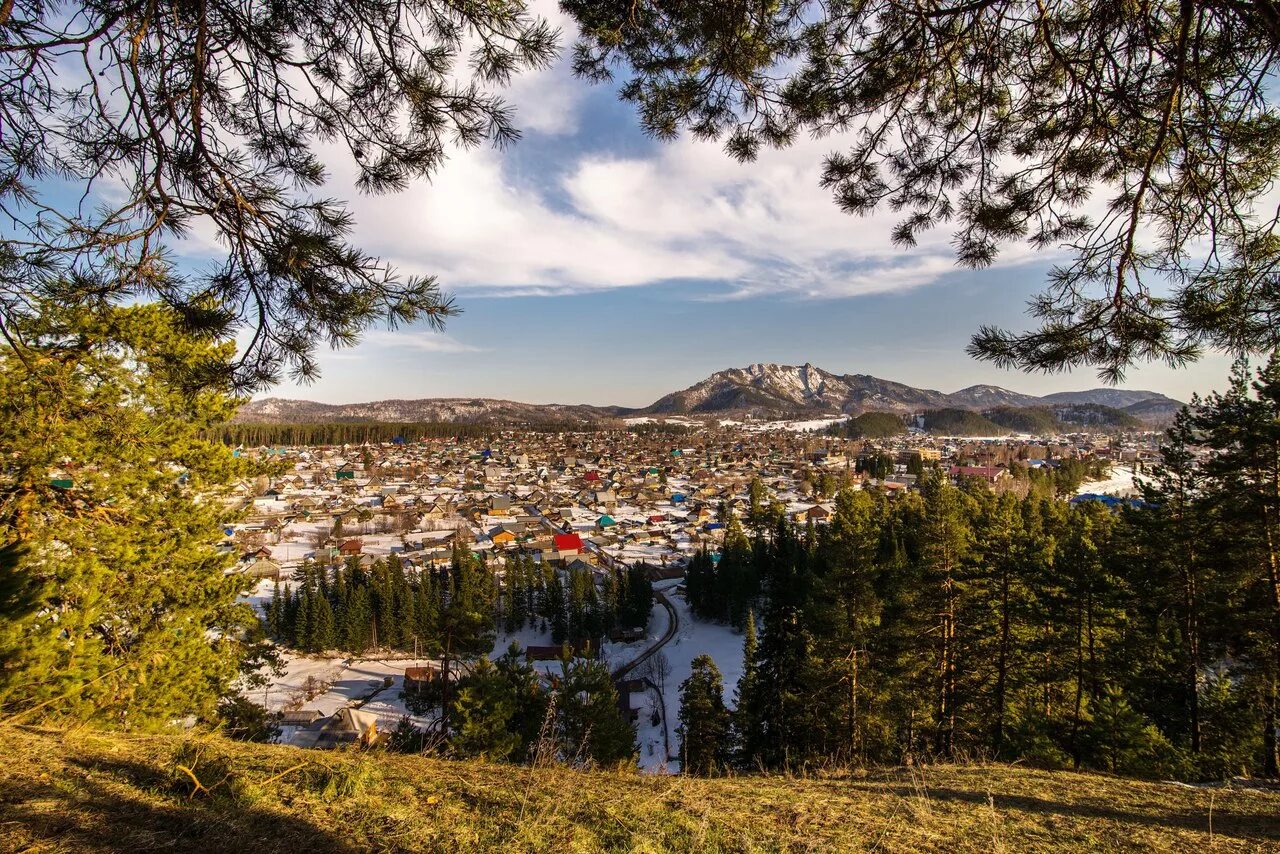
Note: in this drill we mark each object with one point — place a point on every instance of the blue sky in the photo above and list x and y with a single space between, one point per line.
595 265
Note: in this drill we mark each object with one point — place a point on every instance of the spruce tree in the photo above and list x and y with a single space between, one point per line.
704 721
590 727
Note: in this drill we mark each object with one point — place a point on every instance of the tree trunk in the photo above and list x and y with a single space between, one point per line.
1002 662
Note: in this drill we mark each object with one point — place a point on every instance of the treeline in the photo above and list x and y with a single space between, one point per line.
341 433
359 433
572 606
1042 420
956 623
350 608
660 428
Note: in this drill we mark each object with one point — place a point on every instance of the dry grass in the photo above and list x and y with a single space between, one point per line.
82 791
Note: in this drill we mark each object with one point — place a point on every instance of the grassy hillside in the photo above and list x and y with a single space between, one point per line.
72 792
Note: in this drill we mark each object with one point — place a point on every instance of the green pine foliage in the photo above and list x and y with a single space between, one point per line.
871 425
704 721
115 606
589 726
354 609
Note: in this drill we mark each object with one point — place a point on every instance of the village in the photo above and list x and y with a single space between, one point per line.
651 495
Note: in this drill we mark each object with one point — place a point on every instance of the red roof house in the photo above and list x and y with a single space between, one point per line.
568 543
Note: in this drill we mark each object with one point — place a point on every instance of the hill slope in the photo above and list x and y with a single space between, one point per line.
76 792
461 410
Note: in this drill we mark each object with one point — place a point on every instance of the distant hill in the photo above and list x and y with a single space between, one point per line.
874 425
480 410
990 396
761 390
769 389
961 422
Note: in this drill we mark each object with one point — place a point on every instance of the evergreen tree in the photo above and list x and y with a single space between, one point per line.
483 710
591 730
117 609
704 721
746 725
846 607
1242 427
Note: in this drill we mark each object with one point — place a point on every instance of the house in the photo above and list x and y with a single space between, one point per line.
990 474
351 547
418 679
567 545
302 717
499 505
816 513
501 536
627 635
345 726
263 568
577 647
665 573
606 521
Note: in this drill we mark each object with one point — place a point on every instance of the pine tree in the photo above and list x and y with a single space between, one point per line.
590 727
944 540
1242 427
783 695
746 726
117 608
554 609
321 637
482 714
275 610
846 607
704 721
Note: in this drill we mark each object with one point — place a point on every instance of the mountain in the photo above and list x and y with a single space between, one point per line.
763 390
1157 410
990 397
1116 398
768 388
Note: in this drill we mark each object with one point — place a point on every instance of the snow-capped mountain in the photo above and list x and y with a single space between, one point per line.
793 389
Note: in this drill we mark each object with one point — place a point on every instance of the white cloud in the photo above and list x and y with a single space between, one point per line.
686 213
415 339
547 100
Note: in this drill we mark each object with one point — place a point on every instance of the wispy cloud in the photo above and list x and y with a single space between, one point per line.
415 339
